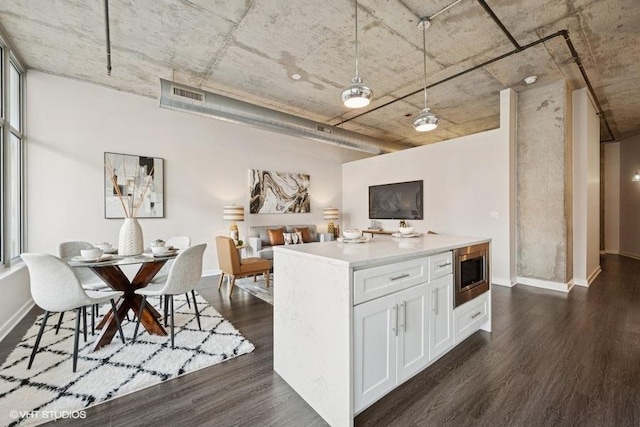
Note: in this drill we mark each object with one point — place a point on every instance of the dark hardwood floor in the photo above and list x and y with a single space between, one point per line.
552 359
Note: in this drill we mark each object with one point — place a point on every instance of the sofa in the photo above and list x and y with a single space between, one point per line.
260 242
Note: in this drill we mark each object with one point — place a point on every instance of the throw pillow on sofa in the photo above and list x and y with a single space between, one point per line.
292 238
306 237
276 236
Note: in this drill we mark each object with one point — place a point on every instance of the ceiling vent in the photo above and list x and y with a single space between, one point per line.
189 94
209 104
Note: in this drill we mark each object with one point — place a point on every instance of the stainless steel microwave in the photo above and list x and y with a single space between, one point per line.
471 273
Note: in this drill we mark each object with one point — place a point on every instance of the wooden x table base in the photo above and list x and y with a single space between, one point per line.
116 279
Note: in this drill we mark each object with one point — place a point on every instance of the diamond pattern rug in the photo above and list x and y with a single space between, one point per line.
51 387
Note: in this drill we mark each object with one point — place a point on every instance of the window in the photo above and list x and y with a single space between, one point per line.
11 147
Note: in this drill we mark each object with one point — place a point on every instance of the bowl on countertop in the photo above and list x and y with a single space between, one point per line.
94 253
405 230
352 233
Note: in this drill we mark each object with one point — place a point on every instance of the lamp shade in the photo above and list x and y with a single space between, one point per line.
357 95
233 213
330 214
426 121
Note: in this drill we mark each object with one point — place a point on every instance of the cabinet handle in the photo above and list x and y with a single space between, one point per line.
394 328
404 316
436 291
402 276
444 265
476 315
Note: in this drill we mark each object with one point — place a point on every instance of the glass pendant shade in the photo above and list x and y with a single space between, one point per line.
356 95
426 121
636 177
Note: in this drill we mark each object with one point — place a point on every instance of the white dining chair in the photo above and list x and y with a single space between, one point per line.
88 280
56 288
184 275
180 243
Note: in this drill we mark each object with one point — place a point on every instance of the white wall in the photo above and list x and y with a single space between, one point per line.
71 124
612 198
586 189
629 198
16 297
465 180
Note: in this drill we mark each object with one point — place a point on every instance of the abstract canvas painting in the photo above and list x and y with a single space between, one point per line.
278 192
130 171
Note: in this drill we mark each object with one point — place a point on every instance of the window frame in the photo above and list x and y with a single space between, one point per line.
9 58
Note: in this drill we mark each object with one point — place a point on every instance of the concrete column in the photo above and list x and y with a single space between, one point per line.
544 187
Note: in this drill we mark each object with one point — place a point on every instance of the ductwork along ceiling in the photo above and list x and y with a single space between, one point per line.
248 51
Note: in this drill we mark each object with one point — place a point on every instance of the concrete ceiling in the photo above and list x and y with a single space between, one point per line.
249 49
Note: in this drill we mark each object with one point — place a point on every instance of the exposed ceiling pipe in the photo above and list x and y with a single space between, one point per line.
563 33
518 49
108 36
187 99
574 54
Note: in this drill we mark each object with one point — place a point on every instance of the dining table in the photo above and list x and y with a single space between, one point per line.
108 268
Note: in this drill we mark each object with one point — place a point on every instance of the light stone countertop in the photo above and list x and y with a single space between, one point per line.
380 249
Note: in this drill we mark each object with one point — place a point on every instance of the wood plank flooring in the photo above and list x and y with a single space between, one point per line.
552 360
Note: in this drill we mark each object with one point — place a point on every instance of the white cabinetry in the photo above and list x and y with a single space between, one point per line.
441 317
391 340
408 325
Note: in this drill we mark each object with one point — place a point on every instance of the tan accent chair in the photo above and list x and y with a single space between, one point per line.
233 266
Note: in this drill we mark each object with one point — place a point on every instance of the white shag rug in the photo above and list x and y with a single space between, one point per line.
50 389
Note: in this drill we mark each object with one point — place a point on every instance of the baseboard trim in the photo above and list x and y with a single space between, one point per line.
502 282
16 318
630 255
212 272
546 284
590 279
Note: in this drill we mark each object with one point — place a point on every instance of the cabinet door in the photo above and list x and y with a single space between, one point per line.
441 317
413 331
375 330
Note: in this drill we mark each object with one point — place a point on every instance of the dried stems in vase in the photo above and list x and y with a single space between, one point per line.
130 204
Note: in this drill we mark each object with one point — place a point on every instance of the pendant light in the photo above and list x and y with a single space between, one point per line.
636 177
356 95
426 120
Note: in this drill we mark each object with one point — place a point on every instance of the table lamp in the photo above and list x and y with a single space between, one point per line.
330 214
233 213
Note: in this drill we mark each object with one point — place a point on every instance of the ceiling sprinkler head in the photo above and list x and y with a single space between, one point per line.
530 80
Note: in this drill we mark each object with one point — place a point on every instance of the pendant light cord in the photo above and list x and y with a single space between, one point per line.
356 1
424 57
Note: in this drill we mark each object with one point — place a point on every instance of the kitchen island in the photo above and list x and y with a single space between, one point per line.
352 321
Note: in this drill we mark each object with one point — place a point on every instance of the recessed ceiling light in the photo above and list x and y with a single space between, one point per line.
530 80
296 76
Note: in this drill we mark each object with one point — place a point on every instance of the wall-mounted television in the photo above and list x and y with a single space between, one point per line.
400 200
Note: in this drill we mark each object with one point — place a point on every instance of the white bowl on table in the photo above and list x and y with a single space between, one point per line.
405 230
94 253
160 250
352 233
104 246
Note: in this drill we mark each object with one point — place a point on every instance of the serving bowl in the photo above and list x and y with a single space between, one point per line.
104 246
159 250
405 230
352 233
91 253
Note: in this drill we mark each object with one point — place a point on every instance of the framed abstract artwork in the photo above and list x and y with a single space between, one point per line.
278 192
135 184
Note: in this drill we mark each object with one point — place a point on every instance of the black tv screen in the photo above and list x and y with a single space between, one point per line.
401 200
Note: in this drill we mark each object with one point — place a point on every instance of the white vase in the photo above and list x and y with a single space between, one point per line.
130 240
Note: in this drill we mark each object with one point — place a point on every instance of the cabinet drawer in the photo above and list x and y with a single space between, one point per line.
378 281
468 317
440 265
